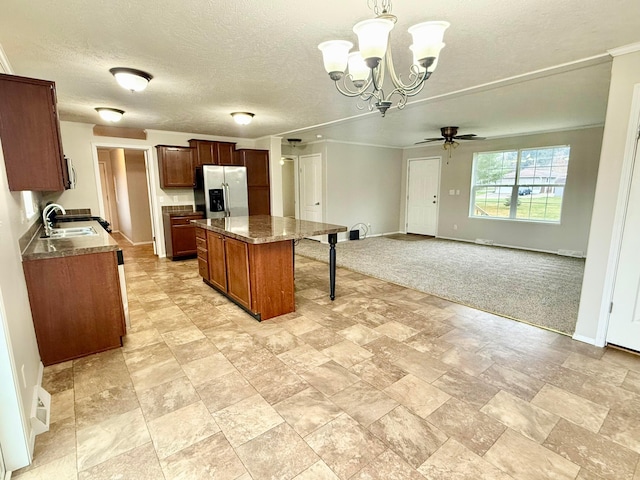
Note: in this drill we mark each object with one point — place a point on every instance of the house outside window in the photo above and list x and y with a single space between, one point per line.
526 185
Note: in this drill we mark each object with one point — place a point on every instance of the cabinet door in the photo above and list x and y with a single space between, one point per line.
238 285
30 134
175 165
216 260
76 305
201 244
259 192
224 153
205 154
184 240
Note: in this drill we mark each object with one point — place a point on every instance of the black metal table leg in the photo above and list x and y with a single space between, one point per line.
333 239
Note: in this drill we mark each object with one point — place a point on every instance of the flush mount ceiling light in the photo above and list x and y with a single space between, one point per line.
110 114
243 118
131 79
366 67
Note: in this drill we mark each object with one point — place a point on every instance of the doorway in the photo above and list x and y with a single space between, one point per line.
423 184
126 200
288 169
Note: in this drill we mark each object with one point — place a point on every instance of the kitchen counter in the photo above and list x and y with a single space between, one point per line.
40 248
267 229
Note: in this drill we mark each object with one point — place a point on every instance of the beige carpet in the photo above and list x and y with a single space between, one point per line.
538 288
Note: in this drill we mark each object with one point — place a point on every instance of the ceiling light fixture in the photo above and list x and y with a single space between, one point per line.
294 142
110 114
131 79
243 118
367 66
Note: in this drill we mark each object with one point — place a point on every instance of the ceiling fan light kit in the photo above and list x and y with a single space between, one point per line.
367 67
450 135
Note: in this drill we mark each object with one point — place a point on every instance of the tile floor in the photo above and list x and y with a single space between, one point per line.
384 383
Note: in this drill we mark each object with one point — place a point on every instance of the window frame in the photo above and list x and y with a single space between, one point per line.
515 187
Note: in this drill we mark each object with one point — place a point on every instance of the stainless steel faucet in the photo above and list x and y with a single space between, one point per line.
46 211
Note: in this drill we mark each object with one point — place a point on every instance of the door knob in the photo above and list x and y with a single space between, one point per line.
317 203
434 201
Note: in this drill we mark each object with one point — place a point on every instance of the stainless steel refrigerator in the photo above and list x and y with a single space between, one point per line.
221 191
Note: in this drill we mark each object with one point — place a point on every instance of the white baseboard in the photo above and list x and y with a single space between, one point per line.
585 339
554 252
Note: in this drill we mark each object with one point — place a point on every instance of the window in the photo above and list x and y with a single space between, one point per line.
523 184
28 204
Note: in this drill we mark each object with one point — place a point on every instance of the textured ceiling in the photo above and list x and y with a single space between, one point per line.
212 57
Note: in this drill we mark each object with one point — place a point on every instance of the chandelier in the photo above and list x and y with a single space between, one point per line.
367 67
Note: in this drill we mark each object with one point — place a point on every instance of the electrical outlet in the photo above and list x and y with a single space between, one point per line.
24 377
455 227
175 199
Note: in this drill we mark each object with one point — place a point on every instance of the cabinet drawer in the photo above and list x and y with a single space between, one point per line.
201 243
203 268
201 233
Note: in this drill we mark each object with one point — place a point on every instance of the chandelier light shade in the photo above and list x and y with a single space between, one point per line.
131 79
361 73
334 55
110 114
373 39
242 118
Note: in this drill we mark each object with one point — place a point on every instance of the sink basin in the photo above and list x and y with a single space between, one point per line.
72 232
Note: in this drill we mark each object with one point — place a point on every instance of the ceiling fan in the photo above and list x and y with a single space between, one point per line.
450 135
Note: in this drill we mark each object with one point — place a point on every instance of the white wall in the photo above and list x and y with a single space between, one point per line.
105 157
18 346
625 73
79 144
363 186
571 234
288 188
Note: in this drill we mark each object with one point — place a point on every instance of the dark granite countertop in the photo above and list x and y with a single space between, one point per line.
41 248
266 228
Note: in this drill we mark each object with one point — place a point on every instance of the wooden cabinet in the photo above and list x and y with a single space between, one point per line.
201 247
175 165
258 277
212 153
180 234
258 185
217 260
76 305
30 133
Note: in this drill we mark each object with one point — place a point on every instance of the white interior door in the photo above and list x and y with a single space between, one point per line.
311 188
423 182
624 322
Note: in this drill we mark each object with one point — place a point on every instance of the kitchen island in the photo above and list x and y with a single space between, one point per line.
250 259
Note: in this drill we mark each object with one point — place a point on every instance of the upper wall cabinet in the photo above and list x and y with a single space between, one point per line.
212 153
175 165
30 133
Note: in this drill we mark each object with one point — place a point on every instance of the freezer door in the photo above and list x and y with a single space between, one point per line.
213 183
236 194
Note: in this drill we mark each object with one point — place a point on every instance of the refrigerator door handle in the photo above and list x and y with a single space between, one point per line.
227 210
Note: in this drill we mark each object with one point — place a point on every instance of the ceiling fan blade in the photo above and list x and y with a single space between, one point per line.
466 136
433 139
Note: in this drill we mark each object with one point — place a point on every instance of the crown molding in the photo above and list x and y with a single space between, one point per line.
625 49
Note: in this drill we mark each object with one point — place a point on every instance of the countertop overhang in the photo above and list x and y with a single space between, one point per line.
266 228
41 248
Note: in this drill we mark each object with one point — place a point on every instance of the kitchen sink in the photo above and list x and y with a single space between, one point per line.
71 232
